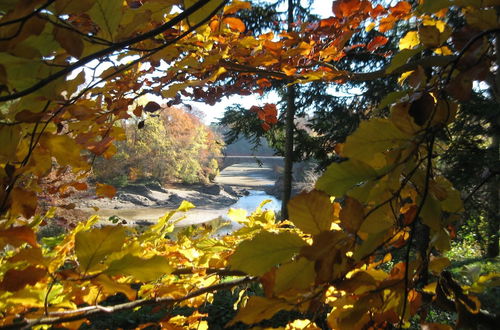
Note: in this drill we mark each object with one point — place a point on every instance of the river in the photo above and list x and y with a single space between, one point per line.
255 179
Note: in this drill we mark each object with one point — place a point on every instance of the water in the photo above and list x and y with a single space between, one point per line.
249 203
253 200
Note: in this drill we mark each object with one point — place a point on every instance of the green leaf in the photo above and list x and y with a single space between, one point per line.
402 58
107 14
341 177
93 246
312 212
391 98
265 250
299 274
142 269
371 138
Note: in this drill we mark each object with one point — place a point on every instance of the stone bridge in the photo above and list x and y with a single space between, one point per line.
270 161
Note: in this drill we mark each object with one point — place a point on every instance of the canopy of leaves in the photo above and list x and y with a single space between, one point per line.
364 247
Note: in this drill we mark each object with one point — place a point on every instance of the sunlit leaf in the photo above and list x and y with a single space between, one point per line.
312 212
341 177
142 269
265 250
93 246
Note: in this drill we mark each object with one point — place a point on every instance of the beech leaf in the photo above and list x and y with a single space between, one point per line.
312 212
93 246
142 269
264 251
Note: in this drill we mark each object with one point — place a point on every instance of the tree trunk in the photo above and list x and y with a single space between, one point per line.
289 130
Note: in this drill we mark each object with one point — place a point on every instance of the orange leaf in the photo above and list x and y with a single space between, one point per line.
105 190
100 147
18 235
79 185
345 8
377 42
24 202
15 280
401 8
234 23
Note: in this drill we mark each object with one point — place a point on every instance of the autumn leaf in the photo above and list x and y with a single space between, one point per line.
376 43
234 23
142 269
93 246
258 309
19 235
265 250
105 190
15 280
351 215
24 202
296 275
312 212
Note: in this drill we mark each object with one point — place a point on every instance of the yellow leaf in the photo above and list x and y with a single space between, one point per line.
429 36
436 265
105 190
329 254
302 325
372 137
238 215
298 274
264 251
10 136
185 206
409 41
142 269
258 309
93 246
203 13
312 211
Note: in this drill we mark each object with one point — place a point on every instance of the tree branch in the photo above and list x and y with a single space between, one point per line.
117 46
85 312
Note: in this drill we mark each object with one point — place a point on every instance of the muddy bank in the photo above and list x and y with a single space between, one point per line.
144 204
